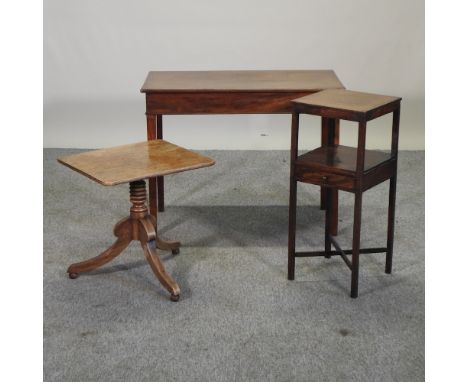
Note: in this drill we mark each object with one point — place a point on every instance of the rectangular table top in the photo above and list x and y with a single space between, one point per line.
347 100
241 81
127 163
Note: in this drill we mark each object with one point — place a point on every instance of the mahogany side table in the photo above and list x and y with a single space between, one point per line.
133 164
338 167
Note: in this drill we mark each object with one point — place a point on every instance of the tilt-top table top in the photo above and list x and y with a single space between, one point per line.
128 163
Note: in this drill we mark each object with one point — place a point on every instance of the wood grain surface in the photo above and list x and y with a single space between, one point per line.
346 100
241 80
123 164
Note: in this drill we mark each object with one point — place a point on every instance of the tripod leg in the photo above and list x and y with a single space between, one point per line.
123 231
88 265
147 235
391 225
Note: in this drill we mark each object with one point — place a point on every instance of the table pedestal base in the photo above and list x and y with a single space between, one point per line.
140 226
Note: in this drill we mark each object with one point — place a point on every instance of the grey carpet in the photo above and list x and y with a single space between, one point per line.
238 318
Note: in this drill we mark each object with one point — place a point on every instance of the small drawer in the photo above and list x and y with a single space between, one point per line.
324 179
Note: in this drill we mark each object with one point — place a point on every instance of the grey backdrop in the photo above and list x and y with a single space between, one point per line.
97 54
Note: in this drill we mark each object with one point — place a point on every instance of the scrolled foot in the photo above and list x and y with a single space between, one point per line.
73 275
175 297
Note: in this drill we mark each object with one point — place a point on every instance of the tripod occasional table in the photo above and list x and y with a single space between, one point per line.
133 164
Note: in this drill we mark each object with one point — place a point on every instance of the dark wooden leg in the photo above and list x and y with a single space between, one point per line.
293 196
160 179
323 198
151 135
356 243
328 216
334 212
154 130
334 139
330 136
292 228
391 225
325 134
